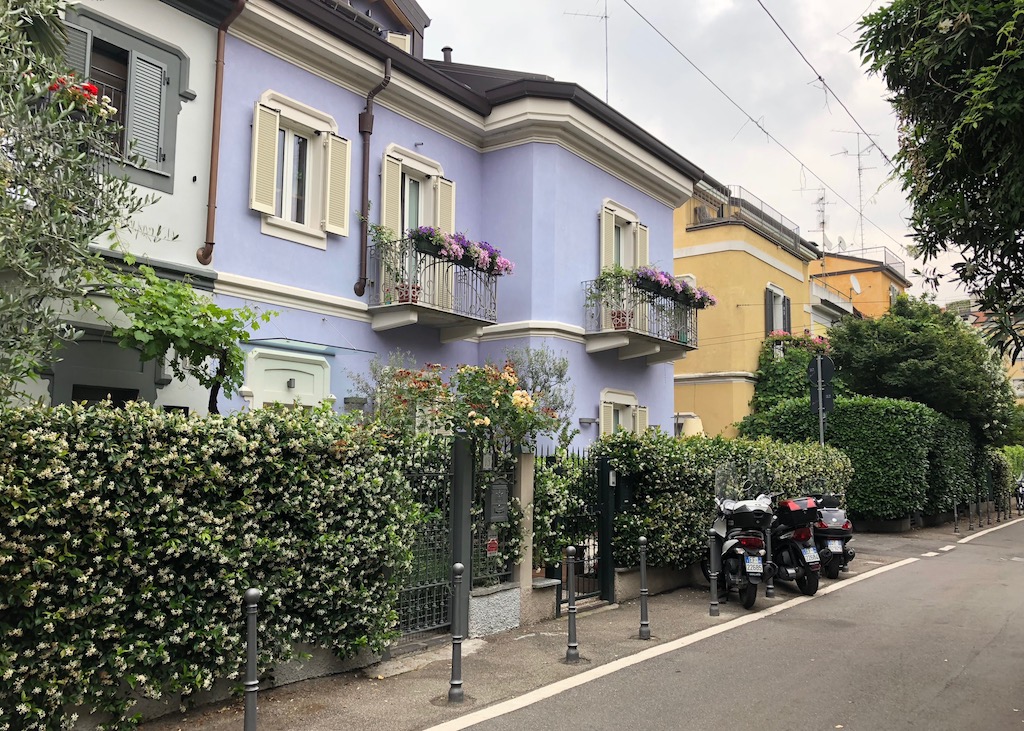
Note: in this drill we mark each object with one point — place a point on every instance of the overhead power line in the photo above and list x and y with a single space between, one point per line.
756 122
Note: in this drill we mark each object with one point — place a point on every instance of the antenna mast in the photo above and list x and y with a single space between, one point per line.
819 203
860 154
603 18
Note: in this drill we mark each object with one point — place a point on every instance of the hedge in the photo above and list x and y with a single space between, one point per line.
951 465
675 481
129 536
887 441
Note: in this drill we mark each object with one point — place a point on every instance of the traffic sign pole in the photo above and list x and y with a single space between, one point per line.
821 402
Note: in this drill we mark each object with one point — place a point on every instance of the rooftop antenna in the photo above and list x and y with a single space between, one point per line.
860 154
604 18
819 203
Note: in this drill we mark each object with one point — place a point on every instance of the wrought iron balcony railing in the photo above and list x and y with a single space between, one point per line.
640 312
402 275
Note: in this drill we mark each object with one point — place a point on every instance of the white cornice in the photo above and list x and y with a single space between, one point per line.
524 121
282 295
720 377
533 329
721 247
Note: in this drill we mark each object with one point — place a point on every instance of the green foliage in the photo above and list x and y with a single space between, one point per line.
951 459
782 368
917 351
1014 434
1003 479
1015 456
546 375
887 442
674 483
57 198
170 317
563 484
955 73
129 536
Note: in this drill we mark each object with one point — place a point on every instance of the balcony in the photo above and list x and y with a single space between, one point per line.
742 206
638 323
408 287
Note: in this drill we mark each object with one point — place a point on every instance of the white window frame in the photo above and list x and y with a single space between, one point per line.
437 193
779 307
623 239
267 371
328 163
619 408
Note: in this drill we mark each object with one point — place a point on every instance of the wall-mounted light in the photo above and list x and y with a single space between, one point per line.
587 420
291 383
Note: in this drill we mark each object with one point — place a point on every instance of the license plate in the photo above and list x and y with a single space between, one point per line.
754 565
835 546
811 555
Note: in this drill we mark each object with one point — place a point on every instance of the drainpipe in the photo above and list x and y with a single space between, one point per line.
365 130
205 254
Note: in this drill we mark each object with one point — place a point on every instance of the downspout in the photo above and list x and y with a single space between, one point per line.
205 254
365 130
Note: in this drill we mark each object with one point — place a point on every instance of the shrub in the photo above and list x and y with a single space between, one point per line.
129 536
886 440
951 457
1015 455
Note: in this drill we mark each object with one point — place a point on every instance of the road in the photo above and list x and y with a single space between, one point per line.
934 643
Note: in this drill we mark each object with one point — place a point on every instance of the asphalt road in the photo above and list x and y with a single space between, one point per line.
934 643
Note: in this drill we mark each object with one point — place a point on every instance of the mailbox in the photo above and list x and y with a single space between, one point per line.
496 502
625 495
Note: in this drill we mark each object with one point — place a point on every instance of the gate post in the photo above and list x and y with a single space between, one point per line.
462 528
605 529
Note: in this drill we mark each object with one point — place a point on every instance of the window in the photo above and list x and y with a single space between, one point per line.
291 379
894 292
620 410
777 310
414 193
624 240
300 172
146 80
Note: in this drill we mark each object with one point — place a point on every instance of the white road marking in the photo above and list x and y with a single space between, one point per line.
930 554
968 539
947 548
548 691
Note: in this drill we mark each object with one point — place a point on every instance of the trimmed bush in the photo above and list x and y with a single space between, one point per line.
886 440
675 482
951 460
1015 456
129 536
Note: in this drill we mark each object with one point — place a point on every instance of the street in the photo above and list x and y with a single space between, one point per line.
935 643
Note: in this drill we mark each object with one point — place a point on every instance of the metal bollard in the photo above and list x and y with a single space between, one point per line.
572 652
769 584
956 515
252 682
645 624
715 563
455 691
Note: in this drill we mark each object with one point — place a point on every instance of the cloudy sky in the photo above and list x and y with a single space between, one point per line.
742 56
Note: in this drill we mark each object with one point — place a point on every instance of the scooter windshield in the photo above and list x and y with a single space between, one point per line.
736 481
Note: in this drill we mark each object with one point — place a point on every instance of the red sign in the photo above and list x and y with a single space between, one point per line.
492 547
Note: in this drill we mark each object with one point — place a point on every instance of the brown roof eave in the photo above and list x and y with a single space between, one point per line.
586 101
346 30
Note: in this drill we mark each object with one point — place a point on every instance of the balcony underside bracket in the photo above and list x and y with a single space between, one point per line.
453 334
391 319
638 349
610 341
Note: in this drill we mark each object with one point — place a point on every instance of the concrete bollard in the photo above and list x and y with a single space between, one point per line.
252 682
572 651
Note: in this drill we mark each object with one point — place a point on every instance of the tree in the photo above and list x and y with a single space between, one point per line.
54 133
170 318
956 73
544 373
919 352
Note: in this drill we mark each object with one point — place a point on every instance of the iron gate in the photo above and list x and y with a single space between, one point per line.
587 524
424 603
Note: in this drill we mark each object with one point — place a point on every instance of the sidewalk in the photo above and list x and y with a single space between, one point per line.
410 692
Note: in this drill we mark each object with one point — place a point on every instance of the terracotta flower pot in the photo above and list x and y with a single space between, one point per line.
621 319
408 292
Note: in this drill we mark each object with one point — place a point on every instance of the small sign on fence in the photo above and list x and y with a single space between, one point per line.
492 546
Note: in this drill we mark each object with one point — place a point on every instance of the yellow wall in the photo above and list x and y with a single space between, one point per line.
873 298
730 334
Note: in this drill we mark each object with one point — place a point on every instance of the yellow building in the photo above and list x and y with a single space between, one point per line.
872 278
759 267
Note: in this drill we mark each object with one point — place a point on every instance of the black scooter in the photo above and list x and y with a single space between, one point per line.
740 527
833 533
793 550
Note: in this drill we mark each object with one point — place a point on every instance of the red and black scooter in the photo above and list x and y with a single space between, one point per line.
793 551
833 532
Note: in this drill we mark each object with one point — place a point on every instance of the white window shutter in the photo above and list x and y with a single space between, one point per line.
641 419
607 417
339 157
445 205
607 238
78 51
643 247
263 177
146 92
391 195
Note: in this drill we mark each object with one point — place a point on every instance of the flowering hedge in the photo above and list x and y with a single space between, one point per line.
129 536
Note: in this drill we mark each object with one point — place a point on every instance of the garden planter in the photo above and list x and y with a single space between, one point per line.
408 292
648 285
427 247
621 319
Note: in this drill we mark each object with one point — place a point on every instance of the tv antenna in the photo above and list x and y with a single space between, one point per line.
603 18
859 154
819 204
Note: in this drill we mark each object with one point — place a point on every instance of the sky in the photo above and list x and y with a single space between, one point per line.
751 80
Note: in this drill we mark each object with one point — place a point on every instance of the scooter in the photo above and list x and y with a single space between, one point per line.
833 533
740 526
793 549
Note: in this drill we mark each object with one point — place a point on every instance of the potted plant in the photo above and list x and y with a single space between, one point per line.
609 291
